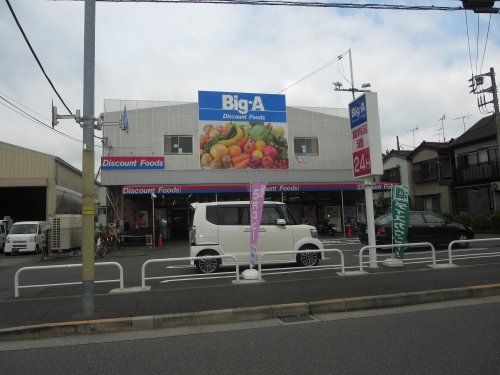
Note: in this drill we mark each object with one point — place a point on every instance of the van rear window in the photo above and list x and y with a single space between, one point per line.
212 214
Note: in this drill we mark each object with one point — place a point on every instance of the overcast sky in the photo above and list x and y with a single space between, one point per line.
417 61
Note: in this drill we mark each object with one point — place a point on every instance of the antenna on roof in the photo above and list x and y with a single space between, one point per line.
413 134
467 116
441 129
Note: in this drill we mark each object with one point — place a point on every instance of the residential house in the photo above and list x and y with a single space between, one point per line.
432 167
476 177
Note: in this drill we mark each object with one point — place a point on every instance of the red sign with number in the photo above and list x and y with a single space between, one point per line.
361 162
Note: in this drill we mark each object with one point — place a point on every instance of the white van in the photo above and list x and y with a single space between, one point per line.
26 237
224 228
3 236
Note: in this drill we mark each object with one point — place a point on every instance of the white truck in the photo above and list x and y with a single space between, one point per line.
26 237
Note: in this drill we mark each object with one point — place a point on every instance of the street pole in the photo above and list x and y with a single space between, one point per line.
153 204
352 75
88 274
370 212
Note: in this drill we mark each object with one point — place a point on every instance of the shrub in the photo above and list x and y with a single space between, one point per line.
495 220
447 216
480 222
462 219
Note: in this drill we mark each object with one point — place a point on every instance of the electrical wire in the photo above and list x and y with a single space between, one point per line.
342 73
28 116
477 43
485 44
35 55
468 42
326 65
294 4
22 105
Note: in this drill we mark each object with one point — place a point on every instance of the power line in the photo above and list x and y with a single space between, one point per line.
35 56
326 65
294 4
28 116
22 105
485 44
477 43
468 42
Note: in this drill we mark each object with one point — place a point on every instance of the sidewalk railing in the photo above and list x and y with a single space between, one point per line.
471 255
63 266
261 256
185 277
432 258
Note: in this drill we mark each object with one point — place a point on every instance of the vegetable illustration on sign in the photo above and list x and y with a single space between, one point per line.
240 131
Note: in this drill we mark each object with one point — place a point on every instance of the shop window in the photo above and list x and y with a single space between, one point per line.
306 146
178 144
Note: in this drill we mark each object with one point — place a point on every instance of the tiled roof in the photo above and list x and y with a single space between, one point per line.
481 130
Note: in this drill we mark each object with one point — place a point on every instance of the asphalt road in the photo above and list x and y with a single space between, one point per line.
440 339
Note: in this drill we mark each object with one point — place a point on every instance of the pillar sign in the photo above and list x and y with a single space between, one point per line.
365 131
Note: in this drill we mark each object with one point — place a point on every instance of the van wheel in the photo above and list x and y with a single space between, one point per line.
308 259
208 265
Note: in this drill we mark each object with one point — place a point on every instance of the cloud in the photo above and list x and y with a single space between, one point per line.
418 62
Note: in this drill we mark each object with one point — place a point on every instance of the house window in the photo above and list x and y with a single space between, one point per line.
392 175
306 146
429 170
178 144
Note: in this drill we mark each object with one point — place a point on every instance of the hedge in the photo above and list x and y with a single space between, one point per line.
495 220
462 219
480 222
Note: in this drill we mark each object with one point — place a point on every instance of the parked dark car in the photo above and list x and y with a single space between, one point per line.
424 227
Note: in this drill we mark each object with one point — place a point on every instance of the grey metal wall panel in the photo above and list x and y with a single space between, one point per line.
150 121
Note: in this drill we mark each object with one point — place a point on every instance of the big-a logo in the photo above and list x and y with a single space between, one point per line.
231 102
358 110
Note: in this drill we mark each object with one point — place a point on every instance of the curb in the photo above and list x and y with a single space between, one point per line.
244 314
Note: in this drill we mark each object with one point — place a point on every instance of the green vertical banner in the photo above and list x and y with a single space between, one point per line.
400 209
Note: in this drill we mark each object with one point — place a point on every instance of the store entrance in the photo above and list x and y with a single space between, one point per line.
179 219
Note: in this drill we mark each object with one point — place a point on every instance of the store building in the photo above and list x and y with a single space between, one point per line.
168 150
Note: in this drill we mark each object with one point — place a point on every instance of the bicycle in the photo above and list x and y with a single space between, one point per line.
100 247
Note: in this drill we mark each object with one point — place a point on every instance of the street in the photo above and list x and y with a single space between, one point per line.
458 337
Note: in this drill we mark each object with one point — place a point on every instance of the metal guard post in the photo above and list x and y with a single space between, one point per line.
262 255
390 246
166 260
56 266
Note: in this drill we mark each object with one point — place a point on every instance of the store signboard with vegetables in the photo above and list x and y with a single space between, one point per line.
242 130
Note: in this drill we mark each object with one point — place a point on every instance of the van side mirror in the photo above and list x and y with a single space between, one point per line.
280 222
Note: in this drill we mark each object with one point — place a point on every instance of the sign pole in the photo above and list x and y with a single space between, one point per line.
370 222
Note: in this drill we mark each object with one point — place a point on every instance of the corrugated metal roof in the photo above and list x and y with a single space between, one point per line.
119 178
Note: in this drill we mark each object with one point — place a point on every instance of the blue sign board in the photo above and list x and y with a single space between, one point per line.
237 106
357 111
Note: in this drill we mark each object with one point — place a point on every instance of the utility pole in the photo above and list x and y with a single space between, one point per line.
88 274
476 85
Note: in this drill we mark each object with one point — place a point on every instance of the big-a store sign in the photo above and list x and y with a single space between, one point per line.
365 131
